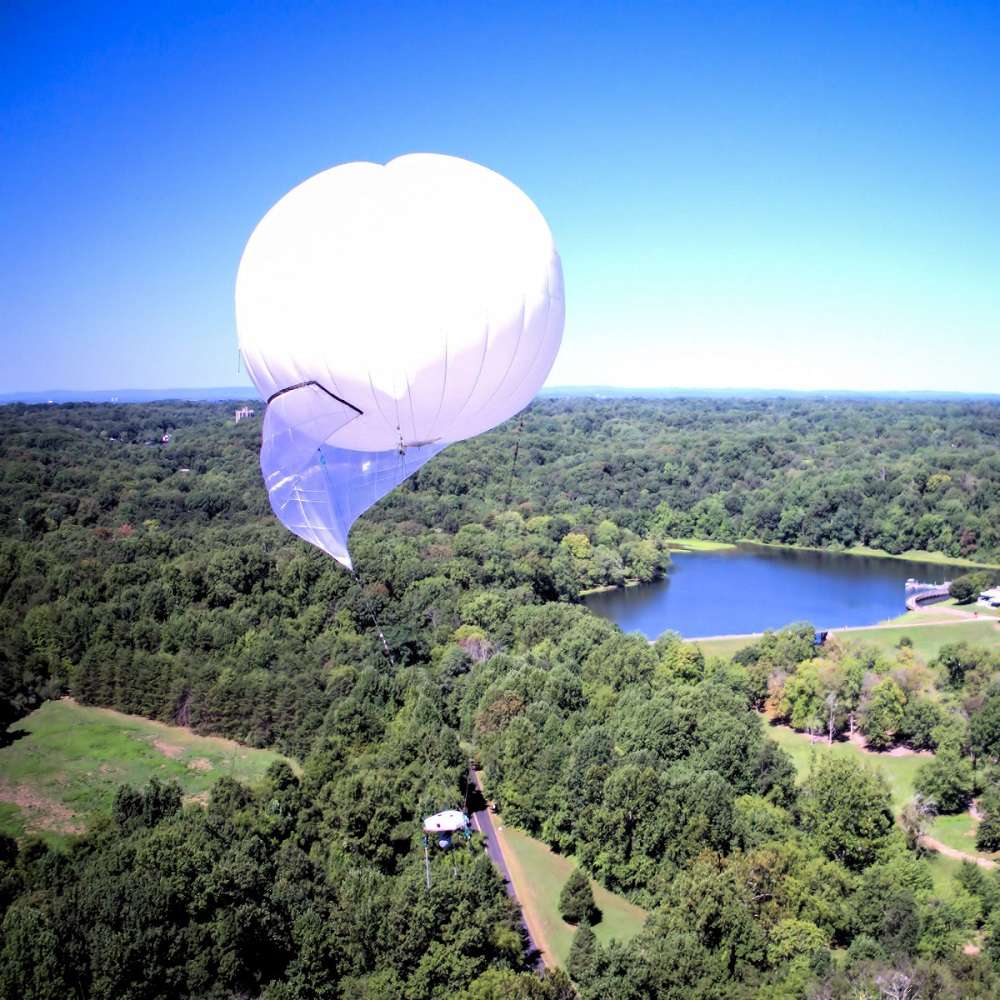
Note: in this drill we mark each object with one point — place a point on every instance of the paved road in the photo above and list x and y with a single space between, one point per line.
482 821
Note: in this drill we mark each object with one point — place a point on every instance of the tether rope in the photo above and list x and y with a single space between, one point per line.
375 621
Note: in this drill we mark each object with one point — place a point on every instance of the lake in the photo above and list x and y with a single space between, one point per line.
753 587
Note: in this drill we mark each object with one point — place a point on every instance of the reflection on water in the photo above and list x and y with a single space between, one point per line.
754 587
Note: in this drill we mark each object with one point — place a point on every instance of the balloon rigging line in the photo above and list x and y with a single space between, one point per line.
371 611
320 386
513 464
510 486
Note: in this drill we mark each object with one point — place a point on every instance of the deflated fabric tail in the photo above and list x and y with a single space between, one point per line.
318 490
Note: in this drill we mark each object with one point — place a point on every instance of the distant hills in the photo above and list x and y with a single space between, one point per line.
246 392
240 392
673 392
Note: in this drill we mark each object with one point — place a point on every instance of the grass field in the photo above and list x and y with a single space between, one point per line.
545 874
943 872
959 832
927 638
899 771
698 545
725 647
69 761
927 631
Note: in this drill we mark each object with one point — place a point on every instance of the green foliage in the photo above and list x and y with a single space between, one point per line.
576 901
882 713
152 578
957 660
984 729
583 954
947 781
846 811
969 586
988 831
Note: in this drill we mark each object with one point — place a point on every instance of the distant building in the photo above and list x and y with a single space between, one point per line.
242 413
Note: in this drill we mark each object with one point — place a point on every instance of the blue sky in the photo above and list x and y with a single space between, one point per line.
768 195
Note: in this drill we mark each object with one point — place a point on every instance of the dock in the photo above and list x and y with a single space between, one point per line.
925 592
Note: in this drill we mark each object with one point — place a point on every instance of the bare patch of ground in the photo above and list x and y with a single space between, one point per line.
170 750
936 845
201 764
862 744
41 813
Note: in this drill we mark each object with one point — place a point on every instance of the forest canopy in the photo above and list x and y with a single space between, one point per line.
142 569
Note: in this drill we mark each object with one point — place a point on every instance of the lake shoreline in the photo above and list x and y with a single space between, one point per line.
751 588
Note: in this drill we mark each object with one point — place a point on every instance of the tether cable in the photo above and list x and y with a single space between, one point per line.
510 487
375 621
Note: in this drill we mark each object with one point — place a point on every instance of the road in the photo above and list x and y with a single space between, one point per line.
482 821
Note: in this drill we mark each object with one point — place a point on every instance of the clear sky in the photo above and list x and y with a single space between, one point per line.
774 195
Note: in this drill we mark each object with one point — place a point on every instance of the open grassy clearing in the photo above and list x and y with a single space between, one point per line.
899 771
943 872
959 832
928 638
698 545
927 631
726 646
69 761
545 873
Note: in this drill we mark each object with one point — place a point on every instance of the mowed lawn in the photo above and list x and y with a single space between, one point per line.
928 638
927 632
66 761
899 771
545 874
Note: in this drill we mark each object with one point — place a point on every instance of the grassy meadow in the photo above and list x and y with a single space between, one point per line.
957 832
65 761
927 631
543 875
928 637
899 771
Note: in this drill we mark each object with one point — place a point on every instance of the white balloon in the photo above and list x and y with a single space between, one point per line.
385 312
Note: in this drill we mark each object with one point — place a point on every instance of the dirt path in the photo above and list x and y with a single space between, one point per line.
936 845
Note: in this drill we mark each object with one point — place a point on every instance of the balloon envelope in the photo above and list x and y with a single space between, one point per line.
385 312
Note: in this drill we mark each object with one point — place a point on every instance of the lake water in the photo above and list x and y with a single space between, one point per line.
752 588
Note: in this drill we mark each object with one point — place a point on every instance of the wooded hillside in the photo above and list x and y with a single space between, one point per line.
150 576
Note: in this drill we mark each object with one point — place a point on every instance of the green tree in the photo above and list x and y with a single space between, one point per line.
846 810
984 730
583 955
31 967
988 831
882 713
576 901
946 780
915 818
